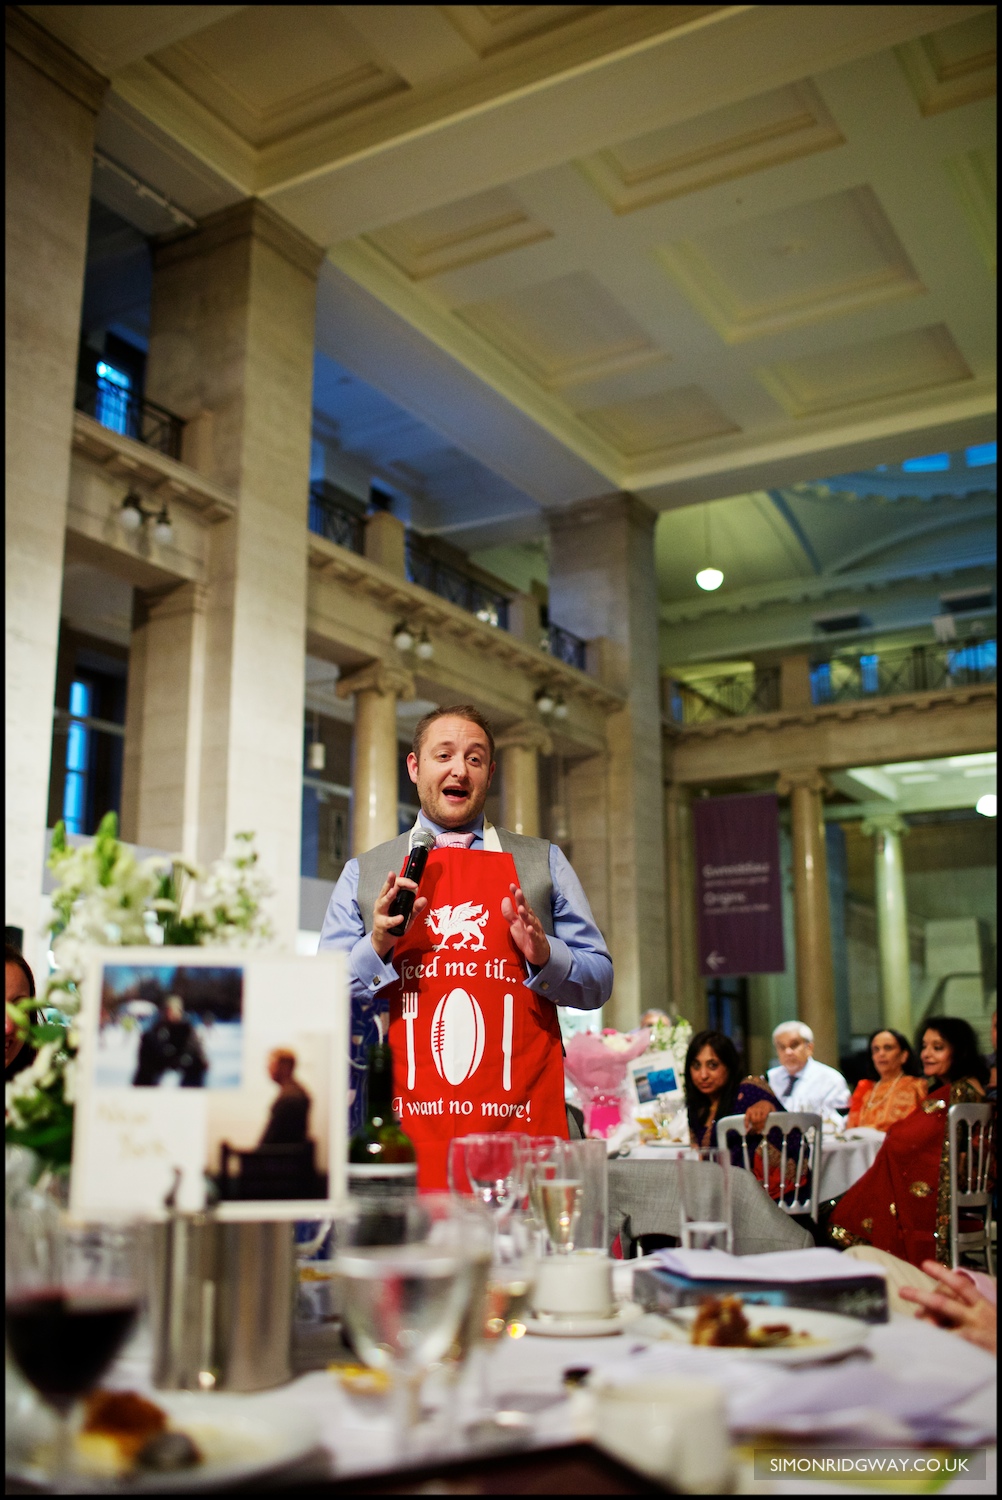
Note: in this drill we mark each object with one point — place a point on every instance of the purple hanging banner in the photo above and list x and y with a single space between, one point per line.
739 897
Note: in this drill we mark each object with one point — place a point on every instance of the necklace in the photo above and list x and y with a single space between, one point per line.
871 1098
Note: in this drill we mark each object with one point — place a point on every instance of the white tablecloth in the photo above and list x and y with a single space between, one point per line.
842 1162
526 1374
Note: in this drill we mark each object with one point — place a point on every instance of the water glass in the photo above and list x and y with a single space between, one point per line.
705 1180
489 1168
589 1164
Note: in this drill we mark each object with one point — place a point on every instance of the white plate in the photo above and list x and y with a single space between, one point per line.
583 1327
239 1437
831 1334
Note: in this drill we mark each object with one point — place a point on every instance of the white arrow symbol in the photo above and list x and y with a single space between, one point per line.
715 959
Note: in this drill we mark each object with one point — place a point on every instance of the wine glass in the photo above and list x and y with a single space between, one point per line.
489 1168
72 1298
559 1191
408 1270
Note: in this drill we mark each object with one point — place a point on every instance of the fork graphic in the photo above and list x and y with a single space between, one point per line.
410 1000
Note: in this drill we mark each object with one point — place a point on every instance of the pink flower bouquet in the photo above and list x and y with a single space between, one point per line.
596 1065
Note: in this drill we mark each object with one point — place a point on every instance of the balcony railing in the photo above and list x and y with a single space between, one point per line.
132 416
450 582
335 520
843 678
848 676
565 646
702 701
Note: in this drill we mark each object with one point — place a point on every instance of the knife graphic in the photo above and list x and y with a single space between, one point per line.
509 1011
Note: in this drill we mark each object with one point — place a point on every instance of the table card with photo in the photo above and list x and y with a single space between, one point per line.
211 1073
652 1074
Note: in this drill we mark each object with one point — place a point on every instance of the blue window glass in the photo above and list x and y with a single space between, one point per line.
932 463
979 657
979 455
821 683
113 387
868 673
77 760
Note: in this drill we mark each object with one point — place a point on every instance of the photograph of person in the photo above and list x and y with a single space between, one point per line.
167 1026
270 1139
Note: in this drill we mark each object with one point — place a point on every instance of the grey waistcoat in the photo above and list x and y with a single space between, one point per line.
532 866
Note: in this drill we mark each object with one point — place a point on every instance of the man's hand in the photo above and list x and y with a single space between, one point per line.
526 928
757 1114
386 929
960 1307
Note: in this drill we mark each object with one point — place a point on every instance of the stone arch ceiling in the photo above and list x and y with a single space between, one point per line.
698 252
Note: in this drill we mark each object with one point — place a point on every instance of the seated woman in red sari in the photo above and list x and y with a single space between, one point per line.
902 1203
897 1090
714 1089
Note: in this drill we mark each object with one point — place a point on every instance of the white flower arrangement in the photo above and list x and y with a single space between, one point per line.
108 898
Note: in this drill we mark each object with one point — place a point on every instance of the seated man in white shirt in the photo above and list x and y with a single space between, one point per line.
800 1082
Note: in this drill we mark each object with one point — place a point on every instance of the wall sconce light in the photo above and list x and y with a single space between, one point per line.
560 709
133 516
403 636
545 701
424 648
316 750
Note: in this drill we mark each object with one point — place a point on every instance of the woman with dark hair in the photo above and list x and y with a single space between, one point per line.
897 1089
715 1088
20 985
902 1204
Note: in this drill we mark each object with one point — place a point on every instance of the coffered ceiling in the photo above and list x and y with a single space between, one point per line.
698 248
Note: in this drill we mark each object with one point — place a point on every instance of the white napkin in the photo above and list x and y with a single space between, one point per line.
918 1384
865 1133
776 1265
627 1131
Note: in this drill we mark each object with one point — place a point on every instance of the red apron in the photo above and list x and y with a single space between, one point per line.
473 1049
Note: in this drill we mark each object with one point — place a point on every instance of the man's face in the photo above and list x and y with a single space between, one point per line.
793 1051
453 773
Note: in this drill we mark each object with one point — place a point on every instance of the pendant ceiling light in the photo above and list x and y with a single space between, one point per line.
708 577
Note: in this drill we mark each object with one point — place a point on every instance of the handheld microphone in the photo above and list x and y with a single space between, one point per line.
403 902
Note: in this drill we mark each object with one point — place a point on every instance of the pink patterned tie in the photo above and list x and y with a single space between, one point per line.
453 840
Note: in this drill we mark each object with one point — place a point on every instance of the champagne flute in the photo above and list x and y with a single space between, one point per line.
407 1268
73 1295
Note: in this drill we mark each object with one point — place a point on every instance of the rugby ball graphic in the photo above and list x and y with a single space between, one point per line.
457 1036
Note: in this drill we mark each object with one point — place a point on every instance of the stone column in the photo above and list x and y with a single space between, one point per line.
519 748
686 992
602 583
386 542
374 775
52 102
795 681
161 771
892 919
812 921
232 334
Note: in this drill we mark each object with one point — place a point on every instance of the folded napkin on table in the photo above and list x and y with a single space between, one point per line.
776 1265
623 1135
919 1384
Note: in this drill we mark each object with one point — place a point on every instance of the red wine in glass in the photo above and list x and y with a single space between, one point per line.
64 1339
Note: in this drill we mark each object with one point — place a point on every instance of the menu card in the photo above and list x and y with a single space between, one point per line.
211 1074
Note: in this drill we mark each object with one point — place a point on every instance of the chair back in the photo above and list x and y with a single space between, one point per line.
971 1132
802 1198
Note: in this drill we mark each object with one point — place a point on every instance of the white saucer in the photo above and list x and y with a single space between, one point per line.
584 1327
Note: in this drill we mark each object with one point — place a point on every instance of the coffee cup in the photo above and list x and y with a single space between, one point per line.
575 1285
672 1430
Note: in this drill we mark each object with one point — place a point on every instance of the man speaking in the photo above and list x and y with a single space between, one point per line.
500 933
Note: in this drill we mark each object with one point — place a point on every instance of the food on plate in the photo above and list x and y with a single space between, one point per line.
123 1431
721 1323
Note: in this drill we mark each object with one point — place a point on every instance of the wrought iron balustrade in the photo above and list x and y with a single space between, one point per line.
703 700
848 677
565 646
133 416
335 520
451 583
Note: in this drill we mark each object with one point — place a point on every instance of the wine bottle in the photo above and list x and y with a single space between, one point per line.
381 1157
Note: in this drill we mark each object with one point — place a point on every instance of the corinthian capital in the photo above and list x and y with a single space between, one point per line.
378 677
525 735
808 776
884 822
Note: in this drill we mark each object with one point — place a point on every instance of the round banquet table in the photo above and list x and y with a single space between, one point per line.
844 1162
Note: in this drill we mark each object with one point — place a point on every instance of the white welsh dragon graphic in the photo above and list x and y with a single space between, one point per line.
464 921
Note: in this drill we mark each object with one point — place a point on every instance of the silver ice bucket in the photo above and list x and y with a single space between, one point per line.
222 1303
